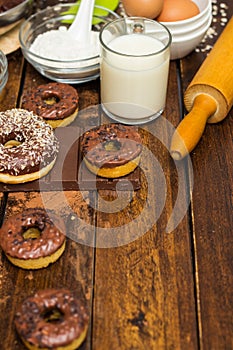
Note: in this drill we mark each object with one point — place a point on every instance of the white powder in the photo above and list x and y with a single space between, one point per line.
59 45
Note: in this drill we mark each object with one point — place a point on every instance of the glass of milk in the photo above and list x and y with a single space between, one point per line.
134 66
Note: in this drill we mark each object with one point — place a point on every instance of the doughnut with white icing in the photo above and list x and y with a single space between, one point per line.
28 146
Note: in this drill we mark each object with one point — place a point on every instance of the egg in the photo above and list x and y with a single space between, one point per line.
143 8
176 10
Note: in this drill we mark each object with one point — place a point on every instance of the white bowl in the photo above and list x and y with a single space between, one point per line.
182 46
192 26
188 33
191 30
204 6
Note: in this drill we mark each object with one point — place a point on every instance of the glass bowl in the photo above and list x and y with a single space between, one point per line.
15 13
3 70
73 71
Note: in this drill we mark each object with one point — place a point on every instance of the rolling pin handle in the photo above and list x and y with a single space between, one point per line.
191 128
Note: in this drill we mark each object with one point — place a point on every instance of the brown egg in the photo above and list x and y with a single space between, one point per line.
143 8
176 10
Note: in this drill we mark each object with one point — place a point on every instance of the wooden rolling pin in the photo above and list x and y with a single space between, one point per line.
209 96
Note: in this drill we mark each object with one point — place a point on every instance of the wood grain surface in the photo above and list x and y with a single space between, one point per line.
146 286
211 210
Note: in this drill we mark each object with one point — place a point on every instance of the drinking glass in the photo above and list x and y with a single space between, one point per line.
134 67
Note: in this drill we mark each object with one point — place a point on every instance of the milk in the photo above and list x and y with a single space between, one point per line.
134 74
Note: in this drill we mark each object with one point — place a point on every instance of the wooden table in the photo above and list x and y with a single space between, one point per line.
158 290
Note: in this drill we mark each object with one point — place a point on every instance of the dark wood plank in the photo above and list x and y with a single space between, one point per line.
144 281
147 291
74 269
9 95
212 205
212 229
2 207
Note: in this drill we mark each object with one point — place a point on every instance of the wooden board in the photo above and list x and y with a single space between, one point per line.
146 289
212 205
74 269
70 173
152 303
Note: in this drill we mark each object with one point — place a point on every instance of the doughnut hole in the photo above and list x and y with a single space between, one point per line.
50 98
12 140
112 145
53 315
12 144
31 233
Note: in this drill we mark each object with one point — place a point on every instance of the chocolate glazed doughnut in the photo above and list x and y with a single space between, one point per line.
56 103
33 239
111 150
28 147
52 319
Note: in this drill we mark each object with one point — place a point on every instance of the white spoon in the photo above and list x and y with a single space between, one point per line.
80 29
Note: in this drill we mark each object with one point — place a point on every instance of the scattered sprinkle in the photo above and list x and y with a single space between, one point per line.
38 143
219 13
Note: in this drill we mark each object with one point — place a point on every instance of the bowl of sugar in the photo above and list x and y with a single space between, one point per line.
48 47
